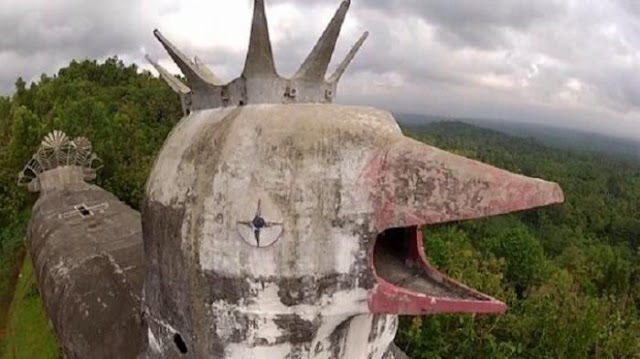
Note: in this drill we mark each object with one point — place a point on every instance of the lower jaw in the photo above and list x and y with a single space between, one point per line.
408 285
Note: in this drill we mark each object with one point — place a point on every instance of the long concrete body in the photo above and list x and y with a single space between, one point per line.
87 252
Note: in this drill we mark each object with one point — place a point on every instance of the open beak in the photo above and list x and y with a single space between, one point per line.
412 185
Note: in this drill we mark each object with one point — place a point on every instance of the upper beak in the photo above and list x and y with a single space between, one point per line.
411 185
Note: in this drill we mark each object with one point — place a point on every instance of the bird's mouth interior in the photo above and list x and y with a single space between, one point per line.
408 284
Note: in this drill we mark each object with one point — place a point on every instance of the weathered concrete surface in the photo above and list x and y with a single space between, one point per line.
227 298
413 184
58 178
322 173
89 269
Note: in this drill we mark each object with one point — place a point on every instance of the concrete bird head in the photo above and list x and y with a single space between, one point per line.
291 229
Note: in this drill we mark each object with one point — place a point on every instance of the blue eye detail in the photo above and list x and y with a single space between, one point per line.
258 222
263 233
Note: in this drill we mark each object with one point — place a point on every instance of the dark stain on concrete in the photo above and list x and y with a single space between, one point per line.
338 336
228 289
166 269
374 334
308 290
295 329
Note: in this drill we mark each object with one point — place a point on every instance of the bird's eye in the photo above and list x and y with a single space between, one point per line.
261 231
258 222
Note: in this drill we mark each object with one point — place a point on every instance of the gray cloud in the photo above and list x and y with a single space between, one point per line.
40 36
570 61
88 28
473 23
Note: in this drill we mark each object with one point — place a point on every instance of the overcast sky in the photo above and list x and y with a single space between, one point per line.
568 62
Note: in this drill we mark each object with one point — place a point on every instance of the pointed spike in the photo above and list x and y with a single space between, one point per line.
206 72
260 55
175 84
347 60
315 66
187 67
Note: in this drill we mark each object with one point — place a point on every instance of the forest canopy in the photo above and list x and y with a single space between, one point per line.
570 274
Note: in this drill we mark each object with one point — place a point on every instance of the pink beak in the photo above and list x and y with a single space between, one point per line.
412 185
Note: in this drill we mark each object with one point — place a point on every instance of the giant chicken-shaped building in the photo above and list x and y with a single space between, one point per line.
279 225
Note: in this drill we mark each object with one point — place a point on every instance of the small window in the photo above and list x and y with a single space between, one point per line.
84 211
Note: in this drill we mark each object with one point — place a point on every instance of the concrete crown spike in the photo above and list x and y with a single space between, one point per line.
175 84
259 82
188 67
260 55
347 60
206 72
315 66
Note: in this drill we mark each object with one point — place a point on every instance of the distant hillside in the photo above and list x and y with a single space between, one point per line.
553 136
